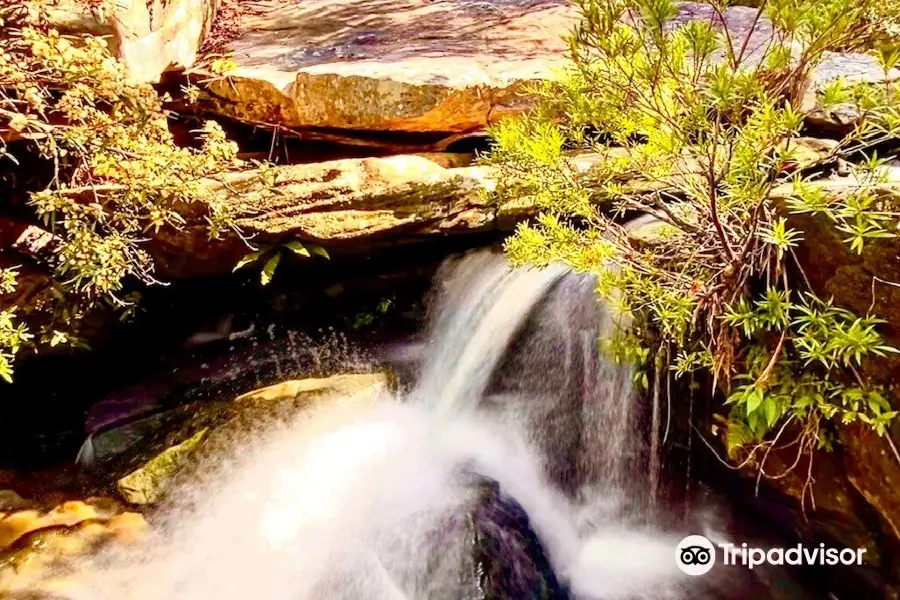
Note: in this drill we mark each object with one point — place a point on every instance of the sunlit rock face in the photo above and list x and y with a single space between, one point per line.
414 66
409 65
39 543
147 36
358 201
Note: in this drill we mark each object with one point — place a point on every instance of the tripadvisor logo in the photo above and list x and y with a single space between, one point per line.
696 555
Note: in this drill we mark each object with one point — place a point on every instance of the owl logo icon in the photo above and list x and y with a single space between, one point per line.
695 555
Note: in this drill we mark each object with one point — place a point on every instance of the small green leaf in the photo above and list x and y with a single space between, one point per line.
770 410
754 398
265 277
319 250
297 248
248 259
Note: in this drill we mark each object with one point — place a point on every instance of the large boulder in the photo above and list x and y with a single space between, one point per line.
866 283
360 202
403 66
509 560
349 205
416 66
147 466
355 205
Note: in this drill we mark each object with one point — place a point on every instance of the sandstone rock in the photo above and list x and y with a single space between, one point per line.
149 36
336 387
835 270
17 525
865 284
416 66
362 203
358 198
252 414
826 503
358 202
410 65
874 470
46 544
354 205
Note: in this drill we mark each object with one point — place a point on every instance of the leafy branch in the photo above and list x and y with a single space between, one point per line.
700 128
269 256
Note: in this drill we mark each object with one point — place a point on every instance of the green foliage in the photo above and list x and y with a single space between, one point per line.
119 178
369 318
269 256
702 131
825 340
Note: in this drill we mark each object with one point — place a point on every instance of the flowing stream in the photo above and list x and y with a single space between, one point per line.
514 468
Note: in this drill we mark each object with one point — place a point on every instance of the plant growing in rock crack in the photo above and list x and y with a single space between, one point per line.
118 177
700 128
269 256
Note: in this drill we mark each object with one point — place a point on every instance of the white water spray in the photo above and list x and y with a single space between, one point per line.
369 499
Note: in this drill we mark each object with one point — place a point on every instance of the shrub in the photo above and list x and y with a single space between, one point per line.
118 177
701 129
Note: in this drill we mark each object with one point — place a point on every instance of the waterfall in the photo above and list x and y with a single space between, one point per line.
518 434
483 304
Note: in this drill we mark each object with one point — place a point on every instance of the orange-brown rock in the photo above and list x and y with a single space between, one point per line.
413 66
37 546
405 65
16 525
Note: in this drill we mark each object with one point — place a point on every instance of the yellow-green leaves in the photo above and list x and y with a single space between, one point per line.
702 39
249 259
268 270
702 132
13 335
121 178
8 280
779 235
270 256
297 248
835 92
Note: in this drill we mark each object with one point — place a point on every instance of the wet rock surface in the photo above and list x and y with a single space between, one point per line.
39 544
510 561
179 440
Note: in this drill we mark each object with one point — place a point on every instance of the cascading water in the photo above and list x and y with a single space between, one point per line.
517 442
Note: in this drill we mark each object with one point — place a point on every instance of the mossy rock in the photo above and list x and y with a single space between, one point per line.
199 432
148 484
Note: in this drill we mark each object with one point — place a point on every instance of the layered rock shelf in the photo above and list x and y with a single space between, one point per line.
407 66
422 66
